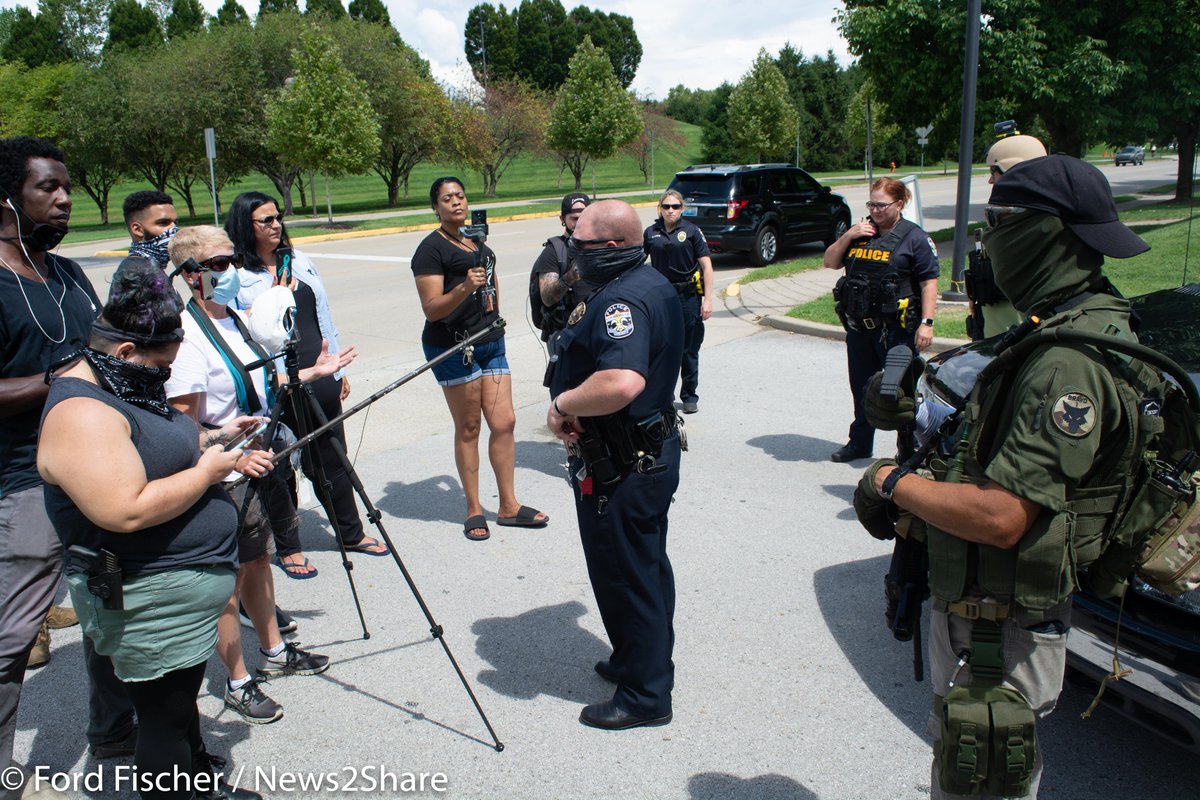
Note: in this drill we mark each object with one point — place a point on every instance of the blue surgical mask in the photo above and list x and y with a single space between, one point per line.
225 285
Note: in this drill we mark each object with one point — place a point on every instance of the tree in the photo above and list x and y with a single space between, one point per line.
332 9
91 112
323 119
545 43
819 90
510 121
131 27
187 16
885 134
8 18
491 39
370 11
277 6
716 145
275 38
762 121
592 115
30 99
34 41
614 34
83 25
230 13
693 106
658 132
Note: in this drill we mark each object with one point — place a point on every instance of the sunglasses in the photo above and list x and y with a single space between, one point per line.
221 263
880 206
997 214
265 221
579 244
671 206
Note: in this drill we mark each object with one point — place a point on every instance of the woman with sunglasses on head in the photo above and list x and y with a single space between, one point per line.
887 296
678 250
459 290
260 239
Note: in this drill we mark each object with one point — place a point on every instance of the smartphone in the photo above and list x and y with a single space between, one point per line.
479 216
246 435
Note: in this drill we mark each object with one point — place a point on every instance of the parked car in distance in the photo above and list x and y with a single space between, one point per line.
760 208
1131 154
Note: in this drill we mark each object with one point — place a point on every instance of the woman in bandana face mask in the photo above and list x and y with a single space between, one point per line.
129 477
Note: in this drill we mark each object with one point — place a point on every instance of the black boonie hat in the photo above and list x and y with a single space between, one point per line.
570 200
1075 192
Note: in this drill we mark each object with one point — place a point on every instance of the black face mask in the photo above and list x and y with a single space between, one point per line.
600 265
136 384
42 238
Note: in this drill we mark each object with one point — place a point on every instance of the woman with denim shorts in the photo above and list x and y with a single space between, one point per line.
457 282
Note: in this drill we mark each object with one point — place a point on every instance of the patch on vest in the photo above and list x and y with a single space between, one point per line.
1074 414
618 321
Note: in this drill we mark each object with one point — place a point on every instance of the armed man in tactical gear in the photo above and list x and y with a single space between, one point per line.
1029 486
613 388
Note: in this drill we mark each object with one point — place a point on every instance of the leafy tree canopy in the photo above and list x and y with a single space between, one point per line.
371 11
329 8
762 122
34 40
230 13
131 27
187 16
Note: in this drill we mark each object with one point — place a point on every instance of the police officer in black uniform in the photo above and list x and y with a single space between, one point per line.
612 392
558 280
887 296
678 250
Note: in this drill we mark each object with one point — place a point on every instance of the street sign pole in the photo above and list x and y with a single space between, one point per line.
923 139
210 150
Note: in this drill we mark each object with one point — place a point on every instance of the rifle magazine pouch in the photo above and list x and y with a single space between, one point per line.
1171 559
988 743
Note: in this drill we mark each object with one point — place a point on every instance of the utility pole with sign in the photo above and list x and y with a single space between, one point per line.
923 139
210 150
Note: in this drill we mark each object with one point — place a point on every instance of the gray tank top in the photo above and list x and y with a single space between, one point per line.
203 535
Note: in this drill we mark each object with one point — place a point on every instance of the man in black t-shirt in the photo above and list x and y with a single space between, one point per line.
557 278
46 310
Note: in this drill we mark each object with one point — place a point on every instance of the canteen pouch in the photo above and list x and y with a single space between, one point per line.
988 742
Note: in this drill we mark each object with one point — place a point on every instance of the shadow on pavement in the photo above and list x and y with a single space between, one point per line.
436 499
723 786
543 651
546 457
794 447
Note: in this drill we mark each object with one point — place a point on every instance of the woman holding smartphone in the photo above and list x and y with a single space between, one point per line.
457 283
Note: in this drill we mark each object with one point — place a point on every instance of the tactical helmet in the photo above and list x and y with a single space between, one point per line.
1012 150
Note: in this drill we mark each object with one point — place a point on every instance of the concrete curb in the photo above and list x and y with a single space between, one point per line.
803 326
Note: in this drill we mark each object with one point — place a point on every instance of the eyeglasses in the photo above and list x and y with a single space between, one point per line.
221 263
880 206
997 214
671 206
995 170
579 244
265 221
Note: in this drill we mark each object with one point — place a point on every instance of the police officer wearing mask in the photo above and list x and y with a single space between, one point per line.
991 314
1024 504
612 391
558 280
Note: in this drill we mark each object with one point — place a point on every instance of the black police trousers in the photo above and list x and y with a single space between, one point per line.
866 351
625 546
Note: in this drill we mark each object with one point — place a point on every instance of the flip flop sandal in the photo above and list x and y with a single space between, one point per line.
477 522
363 547
526 518
288 568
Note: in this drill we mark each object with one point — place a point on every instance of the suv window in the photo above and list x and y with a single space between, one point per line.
805 182
751 183
778 182
704 186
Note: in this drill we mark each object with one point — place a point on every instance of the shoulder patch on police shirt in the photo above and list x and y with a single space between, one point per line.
1074 414
932 246
618 321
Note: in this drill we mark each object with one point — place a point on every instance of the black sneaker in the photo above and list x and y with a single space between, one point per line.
252 703
285 622
293 661
116 749
218 789
849 452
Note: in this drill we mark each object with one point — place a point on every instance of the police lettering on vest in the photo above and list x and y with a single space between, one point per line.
872 294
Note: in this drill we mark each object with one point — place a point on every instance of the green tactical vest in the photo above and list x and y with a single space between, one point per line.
1040 571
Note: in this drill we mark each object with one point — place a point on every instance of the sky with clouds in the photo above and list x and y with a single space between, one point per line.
699 43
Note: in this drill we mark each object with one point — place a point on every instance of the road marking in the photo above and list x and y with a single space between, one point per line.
348 257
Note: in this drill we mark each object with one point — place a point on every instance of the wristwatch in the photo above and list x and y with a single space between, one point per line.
889 483
927 321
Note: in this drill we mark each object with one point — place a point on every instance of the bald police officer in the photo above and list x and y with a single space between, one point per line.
1039 455
613 392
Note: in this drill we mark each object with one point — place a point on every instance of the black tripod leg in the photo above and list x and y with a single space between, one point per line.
376 519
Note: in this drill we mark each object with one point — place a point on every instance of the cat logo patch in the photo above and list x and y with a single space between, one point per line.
681 236
1074 414
618 321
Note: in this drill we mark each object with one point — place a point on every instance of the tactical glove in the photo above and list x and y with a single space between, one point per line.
885 413
871 509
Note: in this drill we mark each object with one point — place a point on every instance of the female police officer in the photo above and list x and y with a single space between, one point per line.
886 297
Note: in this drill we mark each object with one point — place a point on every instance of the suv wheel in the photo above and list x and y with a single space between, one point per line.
840 226
766 246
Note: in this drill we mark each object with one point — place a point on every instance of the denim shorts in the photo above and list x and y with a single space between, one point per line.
488 359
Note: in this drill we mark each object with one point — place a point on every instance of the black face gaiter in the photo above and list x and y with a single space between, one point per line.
136 384
599 265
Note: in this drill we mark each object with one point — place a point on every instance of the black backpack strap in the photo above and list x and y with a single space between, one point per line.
560 249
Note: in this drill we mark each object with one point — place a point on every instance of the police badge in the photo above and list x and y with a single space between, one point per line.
577 313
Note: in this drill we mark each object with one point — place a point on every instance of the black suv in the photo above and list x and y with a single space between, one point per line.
760 208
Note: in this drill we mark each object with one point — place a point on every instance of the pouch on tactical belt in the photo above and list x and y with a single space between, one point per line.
988 743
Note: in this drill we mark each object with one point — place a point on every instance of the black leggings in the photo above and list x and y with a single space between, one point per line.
168 729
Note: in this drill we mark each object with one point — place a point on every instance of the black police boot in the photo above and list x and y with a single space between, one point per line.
849 453
205 764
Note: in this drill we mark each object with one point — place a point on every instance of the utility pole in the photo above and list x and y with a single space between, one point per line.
966 138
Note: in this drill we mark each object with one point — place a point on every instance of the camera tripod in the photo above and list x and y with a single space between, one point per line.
311 422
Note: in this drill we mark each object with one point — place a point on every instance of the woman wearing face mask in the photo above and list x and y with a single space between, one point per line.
145 489
457 282
886 298
255 226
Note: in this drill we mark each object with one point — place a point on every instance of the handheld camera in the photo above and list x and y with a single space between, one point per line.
477 231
